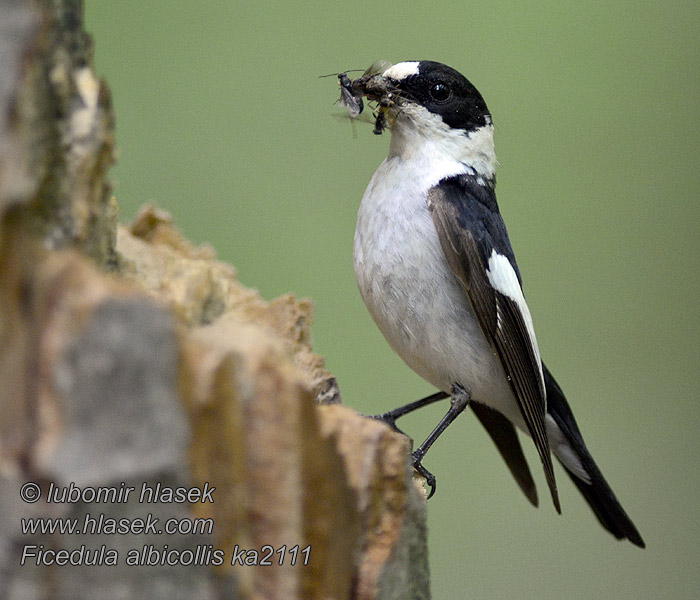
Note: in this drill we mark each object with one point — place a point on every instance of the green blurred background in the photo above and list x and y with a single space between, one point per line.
223 121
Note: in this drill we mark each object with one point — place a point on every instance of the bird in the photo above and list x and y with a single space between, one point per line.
435 268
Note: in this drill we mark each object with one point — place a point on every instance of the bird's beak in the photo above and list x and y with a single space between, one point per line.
376 88
382 90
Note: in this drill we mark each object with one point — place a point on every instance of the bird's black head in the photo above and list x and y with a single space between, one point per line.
442 91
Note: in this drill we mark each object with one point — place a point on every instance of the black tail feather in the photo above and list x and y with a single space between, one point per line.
598 493
608 510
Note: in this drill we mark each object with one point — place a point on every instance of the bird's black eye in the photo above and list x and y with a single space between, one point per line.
440 92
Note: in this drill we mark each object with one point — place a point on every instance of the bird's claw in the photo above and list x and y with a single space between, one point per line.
389 419
416 456
423 472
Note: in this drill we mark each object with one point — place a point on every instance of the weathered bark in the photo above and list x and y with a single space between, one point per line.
130 358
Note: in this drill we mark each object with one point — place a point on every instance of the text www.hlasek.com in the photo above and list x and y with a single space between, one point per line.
101 525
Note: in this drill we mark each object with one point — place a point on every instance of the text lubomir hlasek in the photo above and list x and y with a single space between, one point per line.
149 494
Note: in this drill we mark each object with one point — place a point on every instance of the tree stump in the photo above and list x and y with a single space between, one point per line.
164 431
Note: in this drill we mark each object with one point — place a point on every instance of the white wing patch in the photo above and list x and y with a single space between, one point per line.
503 279
402 70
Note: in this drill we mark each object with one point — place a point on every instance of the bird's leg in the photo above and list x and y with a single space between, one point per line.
458 402
391 416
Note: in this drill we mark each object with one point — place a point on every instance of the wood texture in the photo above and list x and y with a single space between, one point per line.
130 358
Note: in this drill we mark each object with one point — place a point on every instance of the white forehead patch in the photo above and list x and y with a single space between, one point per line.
401 70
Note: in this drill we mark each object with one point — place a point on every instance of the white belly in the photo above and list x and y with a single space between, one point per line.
413 297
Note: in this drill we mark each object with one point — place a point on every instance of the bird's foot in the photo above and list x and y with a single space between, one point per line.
416 459
390 419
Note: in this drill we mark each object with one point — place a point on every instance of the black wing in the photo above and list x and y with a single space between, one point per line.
470 229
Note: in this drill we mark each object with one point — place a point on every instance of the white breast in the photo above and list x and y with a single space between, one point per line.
410 292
